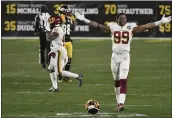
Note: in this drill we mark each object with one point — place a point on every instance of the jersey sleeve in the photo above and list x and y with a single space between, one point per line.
58 30
110 25
53 34
49 15
55 30
63 18
36 23
134 25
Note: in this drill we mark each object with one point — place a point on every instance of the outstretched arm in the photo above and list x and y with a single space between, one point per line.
103 28
93 24
142 28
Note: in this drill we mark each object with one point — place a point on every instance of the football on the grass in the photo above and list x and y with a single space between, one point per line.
92 106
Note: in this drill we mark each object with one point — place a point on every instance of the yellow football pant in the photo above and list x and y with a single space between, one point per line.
68 46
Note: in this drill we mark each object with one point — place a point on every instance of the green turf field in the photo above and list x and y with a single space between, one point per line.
24 84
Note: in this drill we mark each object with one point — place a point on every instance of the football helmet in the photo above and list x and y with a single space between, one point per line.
65 10
55 21
92 106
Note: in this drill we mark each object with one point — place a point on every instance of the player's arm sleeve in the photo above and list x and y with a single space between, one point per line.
142 28
55 33
109 26
36 24
51 35
48 35
103 28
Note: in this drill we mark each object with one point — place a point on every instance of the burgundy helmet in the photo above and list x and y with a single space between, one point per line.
55 21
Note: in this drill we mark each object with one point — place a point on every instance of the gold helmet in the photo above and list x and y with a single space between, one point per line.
92 106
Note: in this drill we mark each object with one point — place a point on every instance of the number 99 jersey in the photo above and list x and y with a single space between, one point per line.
121 35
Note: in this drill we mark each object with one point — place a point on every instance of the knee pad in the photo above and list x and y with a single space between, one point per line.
124 73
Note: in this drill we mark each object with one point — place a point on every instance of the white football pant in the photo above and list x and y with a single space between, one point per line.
58 61
120 63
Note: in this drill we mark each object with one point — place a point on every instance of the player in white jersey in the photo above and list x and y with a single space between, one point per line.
121 34
58 54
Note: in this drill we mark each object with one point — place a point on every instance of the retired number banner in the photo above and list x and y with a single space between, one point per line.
18 17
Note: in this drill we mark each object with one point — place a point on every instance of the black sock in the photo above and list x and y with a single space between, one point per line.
60 77
67 67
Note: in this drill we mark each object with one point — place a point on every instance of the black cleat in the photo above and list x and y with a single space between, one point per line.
52 89
80 79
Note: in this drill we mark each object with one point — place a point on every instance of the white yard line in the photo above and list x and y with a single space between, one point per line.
35 103
109 94
27 83
132 94
147 86
80 114
103 114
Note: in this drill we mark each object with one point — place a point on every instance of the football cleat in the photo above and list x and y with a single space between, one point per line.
52 89
119 107
80 79
59 81
92 106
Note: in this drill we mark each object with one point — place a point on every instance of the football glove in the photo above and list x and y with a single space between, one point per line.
81 17
163 20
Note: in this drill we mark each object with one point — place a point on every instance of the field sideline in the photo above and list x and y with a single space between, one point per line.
24 84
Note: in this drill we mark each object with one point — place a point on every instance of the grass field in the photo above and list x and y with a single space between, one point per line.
24 84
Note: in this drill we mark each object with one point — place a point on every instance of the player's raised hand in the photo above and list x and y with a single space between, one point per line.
79 16
165 19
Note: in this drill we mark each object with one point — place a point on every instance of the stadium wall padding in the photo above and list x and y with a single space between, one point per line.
18 16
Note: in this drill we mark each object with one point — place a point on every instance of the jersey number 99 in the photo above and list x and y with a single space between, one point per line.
121 37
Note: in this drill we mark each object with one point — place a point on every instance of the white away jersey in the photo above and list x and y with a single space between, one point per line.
121 36
58 41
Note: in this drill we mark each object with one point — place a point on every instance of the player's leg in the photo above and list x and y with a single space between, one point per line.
42 47
124 70
61 65
68 74
47 51
69 47
53 71
69 54
115 74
